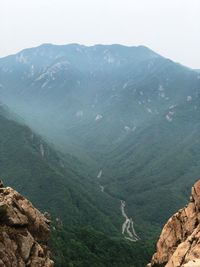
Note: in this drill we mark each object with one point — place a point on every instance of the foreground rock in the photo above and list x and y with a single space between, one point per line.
179 242
24 232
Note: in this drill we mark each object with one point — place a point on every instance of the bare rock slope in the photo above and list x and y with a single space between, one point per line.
24 232
179 242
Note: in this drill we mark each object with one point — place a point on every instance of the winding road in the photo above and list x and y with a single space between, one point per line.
128 229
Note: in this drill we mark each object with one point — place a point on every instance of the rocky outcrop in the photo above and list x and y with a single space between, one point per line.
24 232
179 242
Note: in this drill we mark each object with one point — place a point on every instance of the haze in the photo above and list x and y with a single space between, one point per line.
169 27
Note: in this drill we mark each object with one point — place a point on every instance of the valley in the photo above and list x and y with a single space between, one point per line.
101 132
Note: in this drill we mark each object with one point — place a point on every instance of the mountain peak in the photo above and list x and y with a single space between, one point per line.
178 244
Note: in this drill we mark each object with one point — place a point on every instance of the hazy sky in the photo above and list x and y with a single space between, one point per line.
170 27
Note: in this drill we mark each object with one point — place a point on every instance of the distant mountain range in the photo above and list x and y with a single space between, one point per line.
127 115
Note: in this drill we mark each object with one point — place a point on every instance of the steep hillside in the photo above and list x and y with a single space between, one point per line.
157 161
52 181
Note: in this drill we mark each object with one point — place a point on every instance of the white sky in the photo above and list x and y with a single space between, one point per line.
169 27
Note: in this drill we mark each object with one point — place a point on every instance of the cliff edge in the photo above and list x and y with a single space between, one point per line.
179 242
24 232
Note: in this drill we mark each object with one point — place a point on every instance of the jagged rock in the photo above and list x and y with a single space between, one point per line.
24 232
179 242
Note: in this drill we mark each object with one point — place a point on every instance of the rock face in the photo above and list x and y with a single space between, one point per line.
24 232
179 242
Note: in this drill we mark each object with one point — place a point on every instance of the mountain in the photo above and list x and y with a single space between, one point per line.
24 231
129 114
65 90
88 99
178 244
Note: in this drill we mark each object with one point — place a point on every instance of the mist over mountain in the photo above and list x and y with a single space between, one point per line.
60 184
124 124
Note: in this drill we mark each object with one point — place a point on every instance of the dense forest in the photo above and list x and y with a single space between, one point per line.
84 246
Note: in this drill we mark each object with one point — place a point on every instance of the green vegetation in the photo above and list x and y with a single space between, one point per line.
83 247
52 181
158 161
43 177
